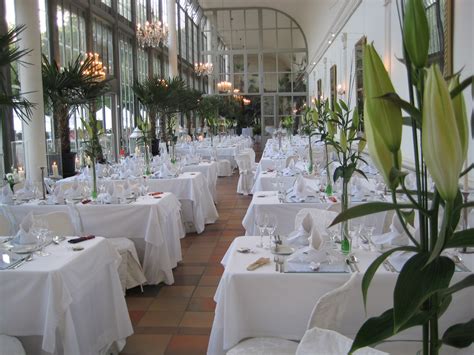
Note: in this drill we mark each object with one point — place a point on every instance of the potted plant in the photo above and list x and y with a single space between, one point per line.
9 54
65 89
424 288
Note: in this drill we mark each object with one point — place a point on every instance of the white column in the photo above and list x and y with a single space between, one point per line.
344 81
172 39
27 13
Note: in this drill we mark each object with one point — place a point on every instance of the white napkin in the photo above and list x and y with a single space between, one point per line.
27 192
300 188
300 236
74 191
165 171
24 236
361 187
56 197
316 241
6 197
396 236
399 258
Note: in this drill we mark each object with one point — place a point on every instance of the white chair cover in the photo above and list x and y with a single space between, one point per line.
264 346
10 346
329 342
58 222
245 183
224 168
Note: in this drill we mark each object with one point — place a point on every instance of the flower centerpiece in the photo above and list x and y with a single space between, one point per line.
92 147
348 146
424 288
309 127
145 140
288 123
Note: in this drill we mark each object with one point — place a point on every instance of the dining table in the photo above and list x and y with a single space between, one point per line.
285 211
209 170
67 302
269 303
153 223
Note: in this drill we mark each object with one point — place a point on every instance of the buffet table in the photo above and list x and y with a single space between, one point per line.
153 224
70 302
265 303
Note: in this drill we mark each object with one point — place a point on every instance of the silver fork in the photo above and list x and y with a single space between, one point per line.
276 259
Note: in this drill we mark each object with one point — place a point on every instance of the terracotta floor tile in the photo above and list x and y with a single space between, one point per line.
176 291
213 271
138 303
194 331
205 291
170 304
146 344
188 270
209 281
201 304
187 345
186 280
197 319
160 319
135 316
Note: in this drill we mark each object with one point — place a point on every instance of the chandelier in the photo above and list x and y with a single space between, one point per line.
246 101
224 86
203 68
95 67
151 34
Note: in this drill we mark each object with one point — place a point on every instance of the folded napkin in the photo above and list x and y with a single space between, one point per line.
6 197
361 187
24 235
300 188
56 197
316 241
27 192
74 191
300 236
399 258
396 236
165 171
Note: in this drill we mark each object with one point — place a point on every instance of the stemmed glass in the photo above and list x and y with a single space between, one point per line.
271 227
261 222
40 229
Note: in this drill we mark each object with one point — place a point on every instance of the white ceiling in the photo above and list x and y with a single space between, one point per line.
317 18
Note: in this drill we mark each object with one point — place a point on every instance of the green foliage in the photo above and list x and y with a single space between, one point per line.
288 123
10 54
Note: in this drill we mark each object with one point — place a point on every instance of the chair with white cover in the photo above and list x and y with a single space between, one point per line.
10 346
245 183
58 222
327 313
130 270
224 168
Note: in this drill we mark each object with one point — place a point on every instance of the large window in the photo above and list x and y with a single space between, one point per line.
71 33
126 93
103 44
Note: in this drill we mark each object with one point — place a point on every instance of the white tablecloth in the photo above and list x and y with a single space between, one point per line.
154 225
72 300
286 213
209 170
193 192
266 303
267 180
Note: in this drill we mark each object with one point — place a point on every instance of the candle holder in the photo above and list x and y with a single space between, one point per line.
43 187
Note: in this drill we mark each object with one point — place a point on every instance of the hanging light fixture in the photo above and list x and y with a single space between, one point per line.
96 67
152 34
246 102
224 86
202 69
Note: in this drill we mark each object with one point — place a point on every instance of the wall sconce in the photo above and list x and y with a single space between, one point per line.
340 90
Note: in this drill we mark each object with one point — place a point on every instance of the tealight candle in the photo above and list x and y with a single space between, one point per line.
55 170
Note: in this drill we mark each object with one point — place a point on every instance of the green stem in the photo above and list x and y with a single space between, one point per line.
402 221
94 179
433 324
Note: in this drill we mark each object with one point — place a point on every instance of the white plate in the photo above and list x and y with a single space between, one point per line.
24 249
283 250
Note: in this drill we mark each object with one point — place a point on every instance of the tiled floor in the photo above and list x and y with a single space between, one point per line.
177 319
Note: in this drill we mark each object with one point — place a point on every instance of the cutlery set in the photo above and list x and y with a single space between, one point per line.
279 263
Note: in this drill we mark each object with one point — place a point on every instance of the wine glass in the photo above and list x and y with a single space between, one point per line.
271 227
261 222
40 229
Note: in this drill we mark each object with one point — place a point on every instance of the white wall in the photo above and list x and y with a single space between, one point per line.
378 20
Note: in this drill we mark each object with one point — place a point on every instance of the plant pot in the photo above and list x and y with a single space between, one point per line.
68 164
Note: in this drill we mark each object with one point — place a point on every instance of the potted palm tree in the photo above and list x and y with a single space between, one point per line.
10 53
65 89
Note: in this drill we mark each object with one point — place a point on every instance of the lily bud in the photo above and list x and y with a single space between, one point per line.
378 151
385 116
343 141
416 32
461 117
440 140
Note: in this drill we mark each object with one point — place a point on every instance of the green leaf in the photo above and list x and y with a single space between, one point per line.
460 88
343 105
456 215
372 269
404 105
377 329
418 281
368 208
460 335
466 282
461 239
338 173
